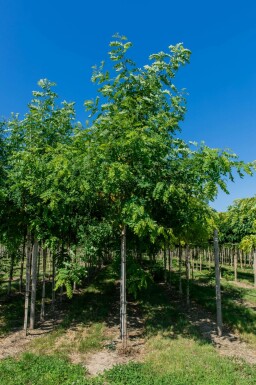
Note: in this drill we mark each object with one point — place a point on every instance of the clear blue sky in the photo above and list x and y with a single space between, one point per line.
61 40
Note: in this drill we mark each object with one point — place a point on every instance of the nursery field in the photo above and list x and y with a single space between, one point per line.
78 343
114 268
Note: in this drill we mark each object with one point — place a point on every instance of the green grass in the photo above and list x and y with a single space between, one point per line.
181 361
31 369
239 317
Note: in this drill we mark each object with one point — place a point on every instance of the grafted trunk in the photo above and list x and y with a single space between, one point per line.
123 311
33 286
217 283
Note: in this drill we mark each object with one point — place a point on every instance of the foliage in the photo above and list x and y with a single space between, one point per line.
238 224
137 277
71 272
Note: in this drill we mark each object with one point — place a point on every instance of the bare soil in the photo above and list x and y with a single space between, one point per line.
16 342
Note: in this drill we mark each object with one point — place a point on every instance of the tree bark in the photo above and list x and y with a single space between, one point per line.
33 287
123 312
217 281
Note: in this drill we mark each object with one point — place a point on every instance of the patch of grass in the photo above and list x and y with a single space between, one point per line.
40 370
82 329
161 314
93 339
181 361
240 318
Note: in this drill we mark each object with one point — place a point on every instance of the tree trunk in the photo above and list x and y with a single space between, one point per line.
42 314
165 266
22 262
235 265
180 270
28 264
187 275
33 287
123 314
53 281
11 274
170 266
217 281
254 266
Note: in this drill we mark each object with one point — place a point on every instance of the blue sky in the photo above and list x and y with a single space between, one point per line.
61 40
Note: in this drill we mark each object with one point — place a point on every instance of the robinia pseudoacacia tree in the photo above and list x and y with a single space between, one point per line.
142 168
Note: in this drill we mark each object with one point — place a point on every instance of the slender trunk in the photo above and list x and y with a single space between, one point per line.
165 266
187 275
217 281
22 262
10 274
241 260
180 270
170 266
123 314
39 261
33 287
42 314
53 281
254 266
28 264
235 265
209 259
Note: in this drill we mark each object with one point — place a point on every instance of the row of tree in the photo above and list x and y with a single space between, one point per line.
125 175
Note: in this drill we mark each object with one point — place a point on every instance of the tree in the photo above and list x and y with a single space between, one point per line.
32 146
144 172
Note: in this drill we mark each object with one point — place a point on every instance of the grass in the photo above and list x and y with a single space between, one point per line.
32 369
83 327
181 361
239 317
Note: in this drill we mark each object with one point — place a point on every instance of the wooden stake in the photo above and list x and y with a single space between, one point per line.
217 282
123 310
